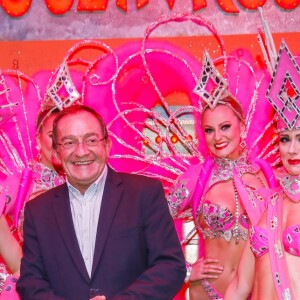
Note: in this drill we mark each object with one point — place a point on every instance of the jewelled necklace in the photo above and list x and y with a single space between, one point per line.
224 168
290 185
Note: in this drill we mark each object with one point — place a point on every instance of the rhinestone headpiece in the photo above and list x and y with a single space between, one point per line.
283 91
62 82
214 89
210 75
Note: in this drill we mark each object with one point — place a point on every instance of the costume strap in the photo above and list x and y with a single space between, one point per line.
200 186
211 291
2 202
198 196
253 208
268 172
25 182
276 250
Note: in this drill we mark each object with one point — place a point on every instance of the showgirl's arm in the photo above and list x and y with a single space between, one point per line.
181 193
241 285
10 250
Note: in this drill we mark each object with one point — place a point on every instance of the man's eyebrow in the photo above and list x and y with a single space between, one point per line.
74 137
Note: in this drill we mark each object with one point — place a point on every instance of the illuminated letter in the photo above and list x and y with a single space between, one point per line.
228 6
199 4
141 3
15 8
92 5
171 3
59 7
288 4
122 4
253 4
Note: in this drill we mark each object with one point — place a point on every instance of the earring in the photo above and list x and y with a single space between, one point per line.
243 142
38 148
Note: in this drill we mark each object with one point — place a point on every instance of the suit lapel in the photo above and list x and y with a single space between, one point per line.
64 219
110 200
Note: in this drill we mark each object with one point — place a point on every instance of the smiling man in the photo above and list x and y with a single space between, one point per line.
103 234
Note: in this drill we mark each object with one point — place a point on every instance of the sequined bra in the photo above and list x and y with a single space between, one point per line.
290 239
220 222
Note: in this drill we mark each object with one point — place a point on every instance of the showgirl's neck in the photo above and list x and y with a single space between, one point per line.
241 160
38 166
47 164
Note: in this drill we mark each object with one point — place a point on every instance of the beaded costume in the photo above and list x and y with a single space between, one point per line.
189 193
276 241
219 221
44 178
283 93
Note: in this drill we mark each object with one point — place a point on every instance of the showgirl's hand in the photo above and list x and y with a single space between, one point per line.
99 298
205 268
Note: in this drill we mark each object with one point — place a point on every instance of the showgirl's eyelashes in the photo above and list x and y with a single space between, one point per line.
208 130
225 126
284 139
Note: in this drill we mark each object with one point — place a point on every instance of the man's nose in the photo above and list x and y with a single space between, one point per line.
81 148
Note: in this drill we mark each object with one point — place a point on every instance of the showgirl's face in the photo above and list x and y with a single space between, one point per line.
83 164
289 147
222 130
44 140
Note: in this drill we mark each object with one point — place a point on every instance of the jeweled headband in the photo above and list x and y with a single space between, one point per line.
219 93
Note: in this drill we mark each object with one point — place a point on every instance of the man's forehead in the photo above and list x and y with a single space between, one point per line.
81 122
80 116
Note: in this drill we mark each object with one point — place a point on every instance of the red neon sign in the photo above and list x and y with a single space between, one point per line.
17 8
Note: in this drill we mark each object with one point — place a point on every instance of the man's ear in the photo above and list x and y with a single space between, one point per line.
108 145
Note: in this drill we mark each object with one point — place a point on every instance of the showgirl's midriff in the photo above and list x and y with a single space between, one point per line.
263 278
228 253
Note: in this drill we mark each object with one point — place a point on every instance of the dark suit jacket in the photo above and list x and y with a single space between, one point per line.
137 252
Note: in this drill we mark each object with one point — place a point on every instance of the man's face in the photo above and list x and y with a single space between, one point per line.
83 164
